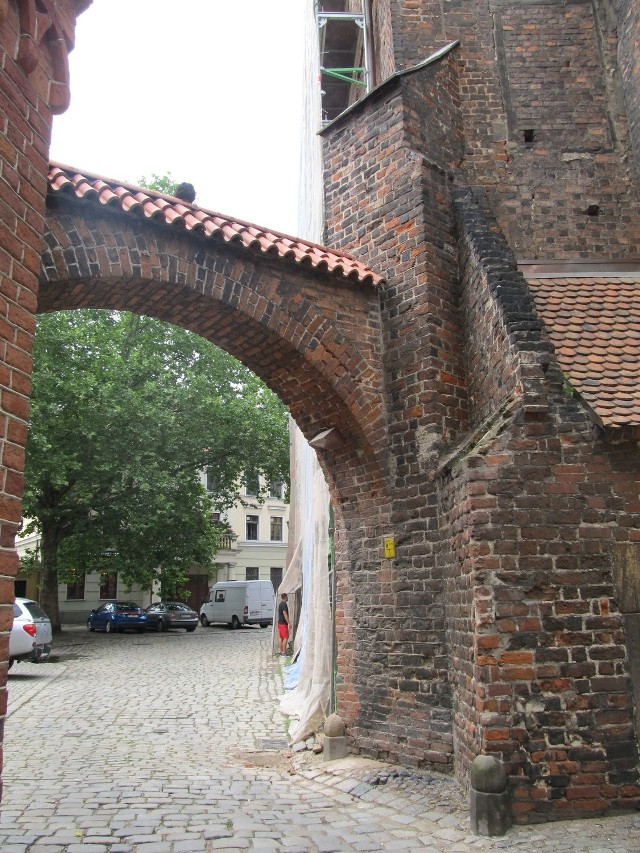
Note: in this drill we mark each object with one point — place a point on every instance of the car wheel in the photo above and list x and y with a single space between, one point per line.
191 630
235 623
140 630
90 626
203 620
160 626
264 624
108 628
11 663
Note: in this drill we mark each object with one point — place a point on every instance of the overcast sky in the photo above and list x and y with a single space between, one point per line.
207 90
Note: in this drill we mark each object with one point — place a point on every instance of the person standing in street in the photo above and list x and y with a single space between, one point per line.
283 623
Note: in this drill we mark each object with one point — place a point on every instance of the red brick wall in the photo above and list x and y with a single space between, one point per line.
558 79
535 503
33 85
389 193
538 651
550 69
496 628
383 58
629 58
417 29
314 340
506 350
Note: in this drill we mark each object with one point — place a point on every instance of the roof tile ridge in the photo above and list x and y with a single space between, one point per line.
127 185
280 235
232 229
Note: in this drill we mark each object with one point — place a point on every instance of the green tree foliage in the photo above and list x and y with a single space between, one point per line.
161 183
126 413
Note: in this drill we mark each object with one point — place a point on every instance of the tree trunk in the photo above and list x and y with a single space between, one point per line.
49 576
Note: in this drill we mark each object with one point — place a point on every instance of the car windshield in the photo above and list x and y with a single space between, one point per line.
34 610
177 607
127 605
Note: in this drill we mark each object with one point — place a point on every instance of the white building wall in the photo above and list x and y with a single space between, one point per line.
264 553
76 612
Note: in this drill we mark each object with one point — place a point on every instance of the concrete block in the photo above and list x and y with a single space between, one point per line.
490 813
334 747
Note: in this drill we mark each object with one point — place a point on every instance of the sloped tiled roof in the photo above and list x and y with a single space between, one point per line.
594 324
145 203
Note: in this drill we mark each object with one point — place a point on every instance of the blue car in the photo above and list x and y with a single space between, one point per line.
117 616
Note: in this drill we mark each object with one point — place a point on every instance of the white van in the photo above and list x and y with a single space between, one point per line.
239 603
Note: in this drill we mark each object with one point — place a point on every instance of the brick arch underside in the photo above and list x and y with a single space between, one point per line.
312 339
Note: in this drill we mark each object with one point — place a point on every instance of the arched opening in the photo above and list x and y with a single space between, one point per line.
302 318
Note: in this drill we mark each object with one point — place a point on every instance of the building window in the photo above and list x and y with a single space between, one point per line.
276 528
252 573
252 483
108 584
253 522
212 482
275 489
75 590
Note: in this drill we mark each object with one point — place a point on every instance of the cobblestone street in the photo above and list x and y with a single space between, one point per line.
173 743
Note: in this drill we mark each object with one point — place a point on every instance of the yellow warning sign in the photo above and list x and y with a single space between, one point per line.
389 546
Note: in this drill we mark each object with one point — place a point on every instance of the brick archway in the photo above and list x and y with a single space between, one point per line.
305 320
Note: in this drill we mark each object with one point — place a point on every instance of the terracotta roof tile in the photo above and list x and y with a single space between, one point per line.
138 201
594 324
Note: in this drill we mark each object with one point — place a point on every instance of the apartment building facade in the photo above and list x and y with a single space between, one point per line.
252 547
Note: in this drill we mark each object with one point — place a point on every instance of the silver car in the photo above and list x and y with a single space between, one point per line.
30 637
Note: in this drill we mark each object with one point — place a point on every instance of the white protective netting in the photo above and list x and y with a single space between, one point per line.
306 581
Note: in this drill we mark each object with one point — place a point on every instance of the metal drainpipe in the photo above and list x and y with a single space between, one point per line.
332 581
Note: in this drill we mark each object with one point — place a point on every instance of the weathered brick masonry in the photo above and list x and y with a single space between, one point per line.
502 624
375 198
497 628
33 86
629 58
302 331
540 503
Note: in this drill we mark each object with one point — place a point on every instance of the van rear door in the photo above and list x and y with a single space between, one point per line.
266 600
253 602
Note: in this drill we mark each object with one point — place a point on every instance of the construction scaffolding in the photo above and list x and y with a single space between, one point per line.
344 57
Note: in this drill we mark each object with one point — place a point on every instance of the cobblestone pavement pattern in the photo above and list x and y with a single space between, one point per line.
168 743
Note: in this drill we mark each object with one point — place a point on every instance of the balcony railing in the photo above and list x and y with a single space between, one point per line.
228 542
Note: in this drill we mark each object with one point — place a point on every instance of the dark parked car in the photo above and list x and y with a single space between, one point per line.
117 616
171 614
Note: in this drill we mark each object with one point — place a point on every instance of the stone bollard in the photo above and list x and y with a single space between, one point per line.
490 811
335 743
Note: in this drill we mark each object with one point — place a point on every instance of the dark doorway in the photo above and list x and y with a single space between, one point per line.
198 587
276 577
